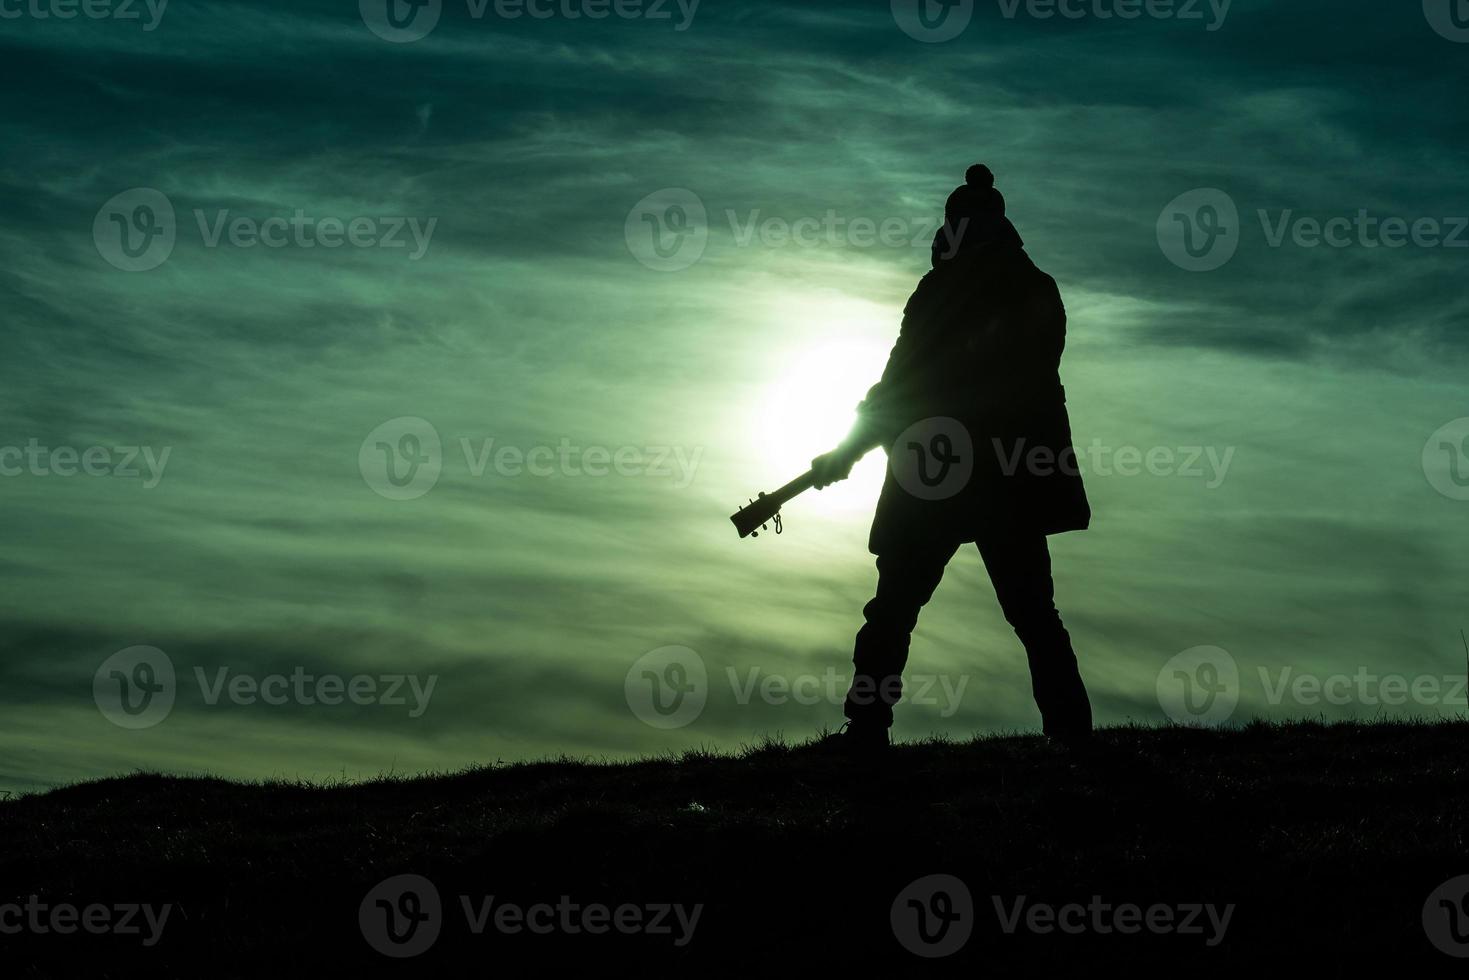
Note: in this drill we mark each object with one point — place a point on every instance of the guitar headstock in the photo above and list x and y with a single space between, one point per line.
751 519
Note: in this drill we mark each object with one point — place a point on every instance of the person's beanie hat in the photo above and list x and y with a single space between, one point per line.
976 199
974 215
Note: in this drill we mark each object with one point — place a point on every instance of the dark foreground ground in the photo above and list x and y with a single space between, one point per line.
1328 842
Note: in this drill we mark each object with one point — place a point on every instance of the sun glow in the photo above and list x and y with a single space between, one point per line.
810 406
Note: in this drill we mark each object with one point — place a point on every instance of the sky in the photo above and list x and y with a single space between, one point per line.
375 384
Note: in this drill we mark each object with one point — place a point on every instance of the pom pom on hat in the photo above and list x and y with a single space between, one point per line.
979 176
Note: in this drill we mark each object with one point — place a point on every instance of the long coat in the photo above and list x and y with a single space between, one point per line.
971 408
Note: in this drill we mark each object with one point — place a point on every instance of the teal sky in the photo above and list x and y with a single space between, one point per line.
523 152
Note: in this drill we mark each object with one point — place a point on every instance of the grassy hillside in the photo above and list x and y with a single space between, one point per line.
1320 844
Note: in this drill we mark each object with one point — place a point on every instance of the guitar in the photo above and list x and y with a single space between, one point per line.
753 518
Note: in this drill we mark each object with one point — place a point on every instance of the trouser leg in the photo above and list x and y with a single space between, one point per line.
1020 569
905 582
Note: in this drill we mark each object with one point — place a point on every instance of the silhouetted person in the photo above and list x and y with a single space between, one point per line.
973 415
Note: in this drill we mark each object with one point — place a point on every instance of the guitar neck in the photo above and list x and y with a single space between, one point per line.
796 487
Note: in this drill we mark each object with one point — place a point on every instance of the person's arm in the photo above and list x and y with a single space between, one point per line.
835 466
879 415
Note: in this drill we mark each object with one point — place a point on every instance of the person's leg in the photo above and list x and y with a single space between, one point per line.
1020 569
905 582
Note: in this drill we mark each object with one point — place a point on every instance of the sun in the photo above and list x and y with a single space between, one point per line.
811 404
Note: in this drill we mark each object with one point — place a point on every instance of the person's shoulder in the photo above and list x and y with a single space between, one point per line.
929 283
1038 275
1042 291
